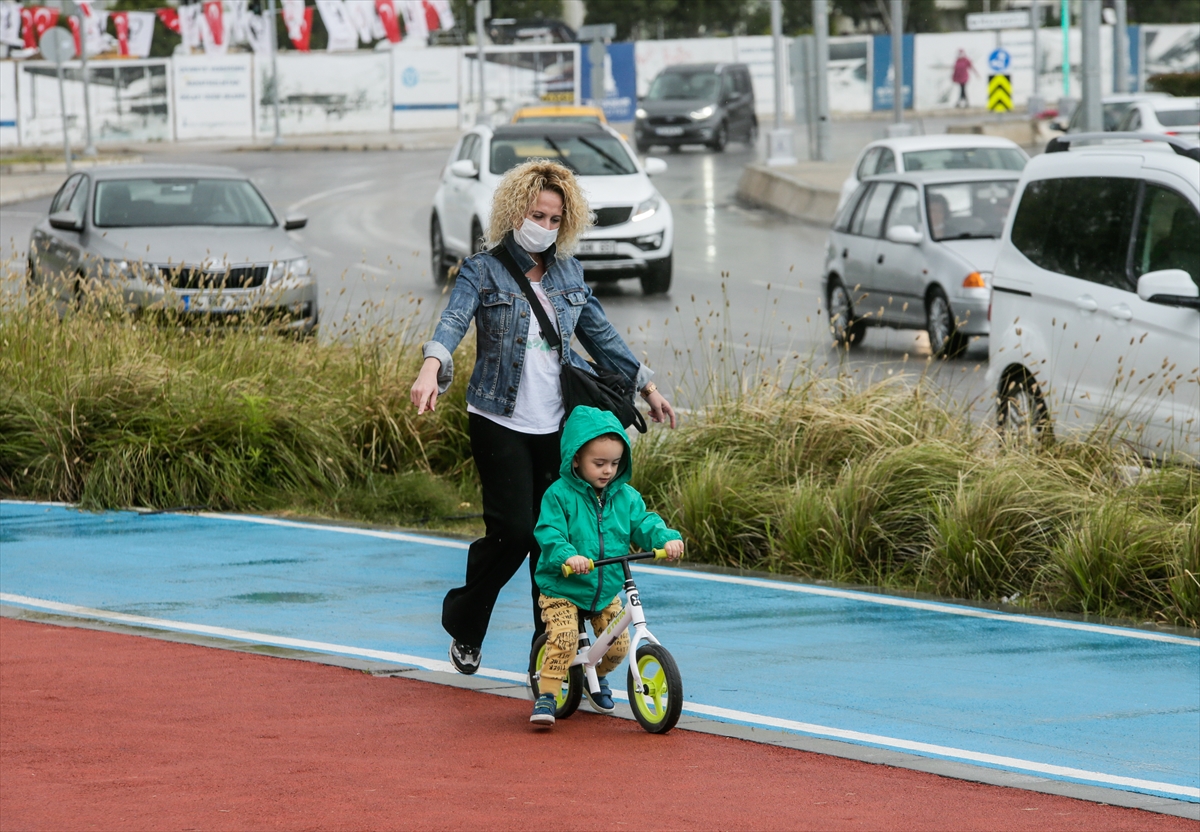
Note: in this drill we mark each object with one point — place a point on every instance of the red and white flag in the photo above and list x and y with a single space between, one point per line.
35 20
140 28
298 20
170 19
342 37
416 26
10 24
121 24
191 26
213 33
386 10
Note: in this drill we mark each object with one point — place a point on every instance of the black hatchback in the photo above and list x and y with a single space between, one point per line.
707 104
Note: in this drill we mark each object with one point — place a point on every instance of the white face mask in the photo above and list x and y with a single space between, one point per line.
533 237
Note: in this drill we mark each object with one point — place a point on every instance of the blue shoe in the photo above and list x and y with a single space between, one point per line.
543 711
602 701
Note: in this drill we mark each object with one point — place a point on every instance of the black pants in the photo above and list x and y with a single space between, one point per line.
515 469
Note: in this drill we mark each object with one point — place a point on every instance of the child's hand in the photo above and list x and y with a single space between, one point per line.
674 549
579 564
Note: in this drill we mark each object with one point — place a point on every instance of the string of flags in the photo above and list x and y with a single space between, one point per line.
213 26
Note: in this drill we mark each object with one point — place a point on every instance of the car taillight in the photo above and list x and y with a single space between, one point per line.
974 281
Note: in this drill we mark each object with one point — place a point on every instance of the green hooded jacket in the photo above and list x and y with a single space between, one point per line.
575 520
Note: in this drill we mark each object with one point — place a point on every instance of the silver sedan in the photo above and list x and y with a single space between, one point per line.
916 251
198 241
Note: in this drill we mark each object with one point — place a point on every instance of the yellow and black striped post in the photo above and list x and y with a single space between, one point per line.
999 93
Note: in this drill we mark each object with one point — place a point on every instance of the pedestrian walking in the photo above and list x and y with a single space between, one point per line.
962 74
514 397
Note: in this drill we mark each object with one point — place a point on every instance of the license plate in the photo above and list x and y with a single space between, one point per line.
669 131
596 247
215 303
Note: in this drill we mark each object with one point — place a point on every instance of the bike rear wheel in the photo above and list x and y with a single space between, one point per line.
659 703
566 701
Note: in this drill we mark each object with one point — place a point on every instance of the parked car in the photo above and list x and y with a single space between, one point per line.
915 251
1096 294
559 113
705 104
195 239
508 30
1169 116
1113 109
952 151
633 234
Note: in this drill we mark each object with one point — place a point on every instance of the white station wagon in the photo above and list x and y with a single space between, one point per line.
1095 318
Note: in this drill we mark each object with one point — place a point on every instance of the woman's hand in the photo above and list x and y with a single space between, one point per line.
660 408
424 392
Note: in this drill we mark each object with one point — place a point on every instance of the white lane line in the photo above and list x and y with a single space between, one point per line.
369 268
949 609
324 252
354 186
291 524
696 708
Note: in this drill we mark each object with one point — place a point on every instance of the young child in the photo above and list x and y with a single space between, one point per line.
591 512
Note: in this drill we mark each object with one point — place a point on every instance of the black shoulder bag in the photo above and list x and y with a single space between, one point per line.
601 388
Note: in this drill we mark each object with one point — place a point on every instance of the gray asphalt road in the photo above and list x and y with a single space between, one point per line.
744 294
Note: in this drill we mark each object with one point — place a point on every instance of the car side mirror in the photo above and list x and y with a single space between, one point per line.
1170 287
905 234
66 220
1059 126
464 168
294 221
655 166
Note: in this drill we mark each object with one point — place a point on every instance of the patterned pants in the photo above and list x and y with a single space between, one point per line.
562 640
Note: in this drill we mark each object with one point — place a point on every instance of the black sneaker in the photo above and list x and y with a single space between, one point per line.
464 658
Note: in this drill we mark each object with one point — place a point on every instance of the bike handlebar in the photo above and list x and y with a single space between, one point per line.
657 554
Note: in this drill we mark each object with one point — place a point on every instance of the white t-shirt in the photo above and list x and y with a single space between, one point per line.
539 406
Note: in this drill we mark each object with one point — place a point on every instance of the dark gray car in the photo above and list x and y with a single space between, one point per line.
707 104
195 239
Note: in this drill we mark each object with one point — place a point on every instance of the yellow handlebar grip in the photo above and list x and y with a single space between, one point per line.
660 554
568 571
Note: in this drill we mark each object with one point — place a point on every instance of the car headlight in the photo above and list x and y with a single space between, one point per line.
639 113
646 209
703 113
288 270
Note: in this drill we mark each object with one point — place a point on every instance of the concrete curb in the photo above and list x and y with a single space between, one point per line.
7 169
766 187
783 739
10 193
350 145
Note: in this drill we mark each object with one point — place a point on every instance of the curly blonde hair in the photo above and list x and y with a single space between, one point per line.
519 189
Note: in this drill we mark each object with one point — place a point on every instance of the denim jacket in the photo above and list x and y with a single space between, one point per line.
487 293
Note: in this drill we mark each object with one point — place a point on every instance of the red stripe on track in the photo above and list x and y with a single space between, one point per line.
110 731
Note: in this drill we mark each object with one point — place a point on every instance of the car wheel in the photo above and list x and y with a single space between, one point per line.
847 330
30 275
437 251
1021 412
720 138
944 338
752 134
476 237
657 279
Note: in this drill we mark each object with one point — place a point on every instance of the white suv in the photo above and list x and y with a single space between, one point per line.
1095 316
632 234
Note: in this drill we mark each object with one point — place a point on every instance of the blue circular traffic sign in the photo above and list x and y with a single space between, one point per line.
999 60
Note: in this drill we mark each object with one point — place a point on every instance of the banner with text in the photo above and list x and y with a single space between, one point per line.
424 88
214 96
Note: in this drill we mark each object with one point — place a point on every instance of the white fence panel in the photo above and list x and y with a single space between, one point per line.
214 96
9 136
347 92
425 88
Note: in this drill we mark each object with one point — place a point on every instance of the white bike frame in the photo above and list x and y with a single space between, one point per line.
589 655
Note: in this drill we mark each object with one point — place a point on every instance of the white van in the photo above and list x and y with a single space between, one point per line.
1095 315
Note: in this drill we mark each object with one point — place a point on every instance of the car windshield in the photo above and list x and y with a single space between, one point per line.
598 154
675 86
965 158
968 210
1179 118
125 203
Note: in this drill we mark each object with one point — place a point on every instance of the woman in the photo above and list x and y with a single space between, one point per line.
514 400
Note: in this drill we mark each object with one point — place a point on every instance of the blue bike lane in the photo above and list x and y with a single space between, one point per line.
1085 703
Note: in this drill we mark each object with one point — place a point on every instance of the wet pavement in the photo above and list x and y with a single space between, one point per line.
1065 700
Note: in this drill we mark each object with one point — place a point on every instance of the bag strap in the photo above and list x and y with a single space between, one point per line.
548 332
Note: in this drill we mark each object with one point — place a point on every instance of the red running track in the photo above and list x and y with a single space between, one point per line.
108 731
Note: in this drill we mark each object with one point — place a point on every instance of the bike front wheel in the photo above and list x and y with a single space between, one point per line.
566 701
659 703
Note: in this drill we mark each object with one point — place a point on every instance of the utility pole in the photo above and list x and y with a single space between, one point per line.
1035 22
483 8
821 30
897 21
1121 46
73 9
782 143
1064 16
1089 24
272 35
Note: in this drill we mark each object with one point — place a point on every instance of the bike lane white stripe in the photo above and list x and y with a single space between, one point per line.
946 752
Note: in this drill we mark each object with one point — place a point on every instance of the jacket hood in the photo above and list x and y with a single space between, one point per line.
583 425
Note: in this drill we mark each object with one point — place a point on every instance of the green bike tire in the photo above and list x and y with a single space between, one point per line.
658 706
567 700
